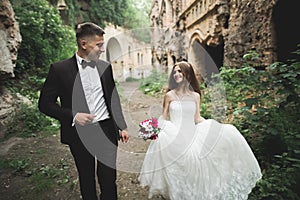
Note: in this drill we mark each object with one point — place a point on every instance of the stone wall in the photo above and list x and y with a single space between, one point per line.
231 28
10 40
250 28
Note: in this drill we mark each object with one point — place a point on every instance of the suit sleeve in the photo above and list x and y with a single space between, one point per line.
48 101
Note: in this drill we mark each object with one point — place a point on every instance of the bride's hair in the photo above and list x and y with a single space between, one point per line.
189 74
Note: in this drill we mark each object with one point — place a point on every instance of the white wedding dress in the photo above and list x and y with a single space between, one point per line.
206 161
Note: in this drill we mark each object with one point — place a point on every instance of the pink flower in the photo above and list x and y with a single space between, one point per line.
154 122
149 129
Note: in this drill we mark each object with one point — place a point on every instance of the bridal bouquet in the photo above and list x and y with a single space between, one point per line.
149 129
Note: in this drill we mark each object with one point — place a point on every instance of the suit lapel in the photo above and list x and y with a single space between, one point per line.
73 68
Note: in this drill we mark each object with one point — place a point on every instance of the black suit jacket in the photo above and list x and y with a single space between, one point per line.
62 96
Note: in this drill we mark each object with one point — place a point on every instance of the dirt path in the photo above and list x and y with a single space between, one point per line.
47 153
136 107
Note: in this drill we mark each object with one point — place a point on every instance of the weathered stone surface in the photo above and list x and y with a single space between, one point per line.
10 38
230 28
250 28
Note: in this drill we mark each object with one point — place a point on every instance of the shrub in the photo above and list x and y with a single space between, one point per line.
28 121
265 106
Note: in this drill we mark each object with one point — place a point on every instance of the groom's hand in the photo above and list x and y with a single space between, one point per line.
124 136
84 118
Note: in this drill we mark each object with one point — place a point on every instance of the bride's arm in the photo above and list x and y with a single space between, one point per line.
163 119
166 103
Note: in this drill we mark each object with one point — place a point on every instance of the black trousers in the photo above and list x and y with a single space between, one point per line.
95 154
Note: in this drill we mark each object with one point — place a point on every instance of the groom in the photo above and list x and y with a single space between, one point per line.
89 112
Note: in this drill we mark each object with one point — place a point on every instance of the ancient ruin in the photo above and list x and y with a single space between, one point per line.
215 33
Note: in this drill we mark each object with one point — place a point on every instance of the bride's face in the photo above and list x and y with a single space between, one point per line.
178 75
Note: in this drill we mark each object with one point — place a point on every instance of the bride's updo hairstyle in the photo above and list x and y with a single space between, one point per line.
188 73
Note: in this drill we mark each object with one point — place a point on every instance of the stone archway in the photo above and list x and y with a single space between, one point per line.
114 56
113 50
199 56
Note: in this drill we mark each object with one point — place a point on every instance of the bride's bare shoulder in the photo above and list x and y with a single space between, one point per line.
196 95
169 96
169 93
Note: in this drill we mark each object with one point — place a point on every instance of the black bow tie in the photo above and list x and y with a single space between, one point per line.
92 63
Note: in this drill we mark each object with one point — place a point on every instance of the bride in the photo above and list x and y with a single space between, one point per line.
195 158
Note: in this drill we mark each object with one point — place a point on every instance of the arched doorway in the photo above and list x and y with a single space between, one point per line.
207 60
113 50
114 56
287 33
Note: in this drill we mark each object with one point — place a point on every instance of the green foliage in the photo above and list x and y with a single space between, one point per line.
130 79
265 106
28 86
153 84
112 11
42 183
280 180
44 38
28 121
20 164
42 177
205 107
45 176
73 11
136 19
130 14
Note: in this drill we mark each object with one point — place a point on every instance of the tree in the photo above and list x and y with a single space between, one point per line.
137 19
112 11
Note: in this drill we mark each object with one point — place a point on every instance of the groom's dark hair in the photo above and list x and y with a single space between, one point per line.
88 29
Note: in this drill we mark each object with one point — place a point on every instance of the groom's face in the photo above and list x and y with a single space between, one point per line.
94 47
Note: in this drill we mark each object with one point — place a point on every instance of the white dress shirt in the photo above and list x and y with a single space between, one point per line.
93 92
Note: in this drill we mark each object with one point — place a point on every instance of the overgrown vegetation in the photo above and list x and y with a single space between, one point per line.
44 40
130 14
29 122
98 11
265 106
153 84
136 19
